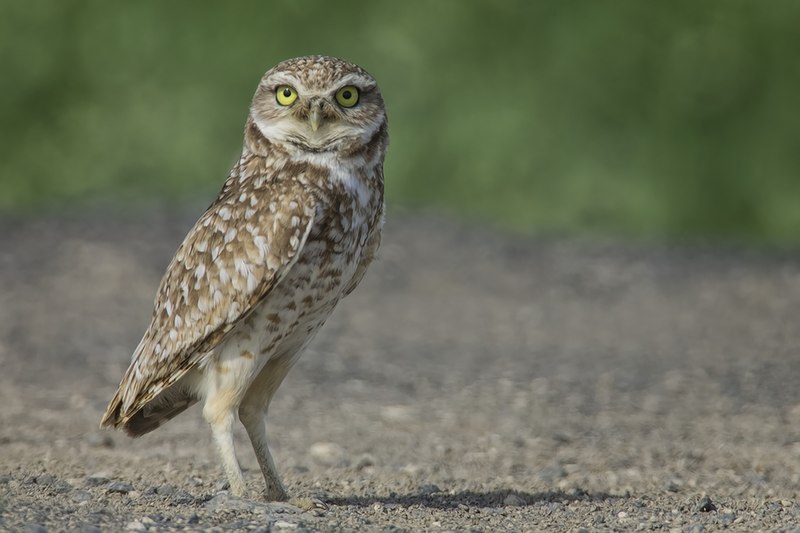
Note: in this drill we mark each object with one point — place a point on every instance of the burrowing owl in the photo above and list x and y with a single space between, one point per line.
292 232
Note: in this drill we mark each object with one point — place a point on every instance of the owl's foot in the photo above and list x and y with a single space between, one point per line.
239 490
309 504
276 493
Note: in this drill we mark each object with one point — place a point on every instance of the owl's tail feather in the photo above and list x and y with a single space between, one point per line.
152 414
155 414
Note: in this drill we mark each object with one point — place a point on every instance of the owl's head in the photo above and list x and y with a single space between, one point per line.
318 104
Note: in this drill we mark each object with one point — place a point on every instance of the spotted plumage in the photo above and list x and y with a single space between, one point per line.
292 232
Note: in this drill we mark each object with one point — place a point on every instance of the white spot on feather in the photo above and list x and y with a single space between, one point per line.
241 266
217 297
233 312
262 245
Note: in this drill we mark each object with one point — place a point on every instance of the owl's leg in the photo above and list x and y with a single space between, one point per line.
253 412
254 420
221 418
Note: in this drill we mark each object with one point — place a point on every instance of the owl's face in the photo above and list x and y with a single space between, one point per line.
318 104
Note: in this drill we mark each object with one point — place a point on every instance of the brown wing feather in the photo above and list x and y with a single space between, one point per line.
239 249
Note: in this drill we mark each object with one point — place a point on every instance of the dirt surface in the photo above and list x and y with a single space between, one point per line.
475 381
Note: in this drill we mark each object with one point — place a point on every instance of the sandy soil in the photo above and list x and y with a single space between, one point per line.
475 381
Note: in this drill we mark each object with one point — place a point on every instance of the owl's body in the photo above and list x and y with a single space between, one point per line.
292 232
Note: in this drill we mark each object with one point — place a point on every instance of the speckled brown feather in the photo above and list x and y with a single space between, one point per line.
195 307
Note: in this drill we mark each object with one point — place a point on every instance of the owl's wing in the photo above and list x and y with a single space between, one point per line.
241 247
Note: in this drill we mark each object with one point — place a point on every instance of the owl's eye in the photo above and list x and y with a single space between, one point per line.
347 96
285 95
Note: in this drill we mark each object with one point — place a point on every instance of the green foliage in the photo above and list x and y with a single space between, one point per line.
620 116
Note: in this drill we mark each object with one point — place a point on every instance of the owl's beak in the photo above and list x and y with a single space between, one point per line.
315 118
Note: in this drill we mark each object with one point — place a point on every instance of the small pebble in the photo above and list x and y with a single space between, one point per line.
182 497
61 487
428 489
97 479
135 526
705 505
512 500
364 461
35 528
165 490
81 496
283 524
412 469
44 479
328 454
121 487
551 473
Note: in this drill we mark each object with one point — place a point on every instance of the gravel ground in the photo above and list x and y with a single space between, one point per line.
476 381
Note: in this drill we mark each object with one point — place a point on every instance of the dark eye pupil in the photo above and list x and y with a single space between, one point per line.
347 95
287 92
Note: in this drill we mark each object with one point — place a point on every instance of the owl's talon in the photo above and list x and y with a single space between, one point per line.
313 505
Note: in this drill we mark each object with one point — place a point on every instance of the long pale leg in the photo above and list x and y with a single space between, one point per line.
254 420
253 412
221 419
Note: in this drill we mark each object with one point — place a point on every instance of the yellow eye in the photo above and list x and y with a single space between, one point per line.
347 96
285 95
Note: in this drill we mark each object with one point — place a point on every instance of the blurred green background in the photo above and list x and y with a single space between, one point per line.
638 118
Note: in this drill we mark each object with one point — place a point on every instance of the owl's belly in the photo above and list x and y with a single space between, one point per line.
281 326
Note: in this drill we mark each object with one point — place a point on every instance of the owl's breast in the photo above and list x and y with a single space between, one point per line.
348 213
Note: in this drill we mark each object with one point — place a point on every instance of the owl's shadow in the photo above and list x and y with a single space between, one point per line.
445 500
